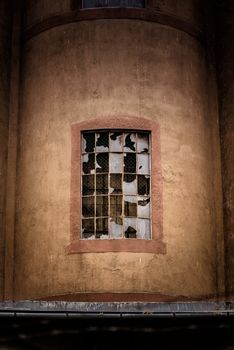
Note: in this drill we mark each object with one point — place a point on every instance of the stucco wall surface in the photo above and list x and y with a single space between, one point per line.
97 69
4 105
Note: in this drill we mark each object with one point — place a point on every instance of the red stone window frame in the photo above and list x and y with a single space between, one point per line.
155 244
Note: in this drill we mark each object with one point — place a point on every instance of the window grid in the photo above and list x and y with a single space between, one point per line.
111 196
89 4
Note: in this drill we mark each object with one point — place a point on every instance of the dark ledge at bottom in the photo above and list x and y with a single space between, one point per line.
116 309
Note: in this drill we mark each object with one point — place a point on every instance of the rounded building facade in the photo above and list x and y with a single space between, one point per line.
124 69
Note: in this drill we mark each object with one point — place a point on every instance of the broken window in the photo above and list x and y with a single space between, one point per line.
116 201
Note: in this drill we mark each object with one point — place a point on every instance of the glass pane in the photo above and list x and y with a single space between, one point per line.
102 228
102 162
87 184
88 206
142 143
115 206
88 229
130 184
88 164
115 183
101 183
116 227
130 163
102 142
102 206
143 228
130 230
116 163
130 142
143 210
143 185
130 206
116 142
88 142
143 164
134 3
113 3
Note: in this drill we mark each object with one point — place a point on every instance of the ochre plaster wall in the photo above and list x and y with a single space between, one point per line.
4 108
97 69
225 51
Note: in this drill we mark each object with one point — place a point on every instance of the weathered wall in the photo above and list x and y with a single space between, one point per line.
5 35
225 51
96 69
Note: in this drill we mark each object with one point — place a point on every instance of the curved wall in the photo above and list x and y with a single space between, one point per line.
5 22
225 51
96 69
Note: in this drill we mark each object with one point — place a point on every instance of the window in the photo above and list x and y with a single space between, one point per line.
116 186
113 3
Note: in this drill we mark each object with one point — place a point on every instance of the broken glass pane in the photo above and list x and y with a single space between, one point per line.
116 142
130 229
101 183
130 184
130 206
143 210
143 164
116 227
102 143
143 228
102 206
142 142
130 142
88 206
88 164
88 142
116 163
102 162
143 185
115 183
87 184
130 162
116 206
102 228
88 228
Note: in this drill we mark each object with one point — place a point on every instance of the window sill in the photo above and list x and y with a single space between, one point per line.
117 245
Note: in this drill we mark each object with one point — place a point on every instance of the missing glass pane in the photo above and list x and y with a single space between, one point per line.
88 228
130 228
115 206
130 142
102 228
143 185
88 184
130 163
101 183
88 163
102 162
102 144
88 142
130 206
102 206
115 183
88 206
